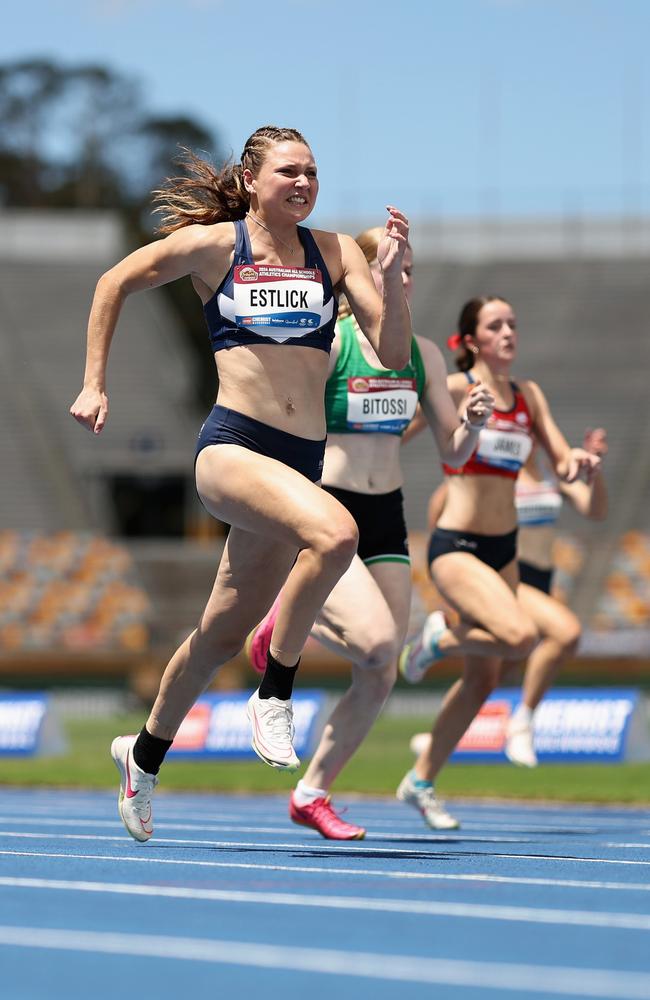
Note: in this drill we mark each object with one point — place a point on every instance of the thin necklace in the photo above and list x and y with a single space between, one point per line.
273 235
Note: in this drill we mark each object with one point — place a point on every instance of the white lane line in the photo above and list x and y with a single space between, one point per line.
82 811
286 830
74 817
346 872
335 847
616 843
342 846
111 823
477 820
469 828
464 911
564 814
597 983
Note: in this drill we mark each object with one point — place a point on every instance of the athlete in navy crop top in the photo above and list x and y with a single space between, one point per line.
261 448
267 304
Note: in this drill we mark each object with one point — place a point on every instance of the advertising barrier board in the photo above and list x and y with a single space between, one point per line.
570 725
28 725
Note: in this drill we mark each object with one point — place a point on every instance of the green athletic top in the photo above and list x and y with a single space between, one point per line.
361 399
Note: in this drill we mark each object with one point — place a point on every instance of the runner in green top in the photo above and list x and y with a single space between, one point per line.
364 398
365 617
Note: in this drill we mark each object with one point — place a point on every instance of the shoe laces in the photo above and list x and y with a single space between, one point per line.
144 785
324 807
278 719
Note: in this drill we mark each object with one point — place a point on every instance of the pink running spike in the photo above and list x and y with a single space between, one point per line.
258 642
319 815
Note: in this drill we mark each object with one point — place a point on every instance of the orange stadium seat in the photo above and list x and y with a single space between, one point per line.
69 591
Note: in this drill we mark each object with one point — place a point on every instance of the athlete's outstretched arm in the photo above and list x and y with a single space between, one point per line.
385 319
184 252
456 438
590 499
569 463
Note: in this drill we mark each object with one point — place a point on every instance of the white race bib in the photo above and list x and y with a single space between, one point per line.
381 405
540 504
276 302
503 449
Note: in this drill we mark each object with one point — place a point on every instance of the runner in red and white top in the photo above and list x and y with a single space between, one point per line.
473 551
538 499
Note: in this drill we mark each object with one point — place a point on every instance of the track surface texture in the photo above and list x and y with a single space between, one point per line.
230 899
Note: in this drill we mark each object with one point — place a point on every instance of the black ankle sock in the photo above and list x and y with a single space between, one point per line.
149 751
278 679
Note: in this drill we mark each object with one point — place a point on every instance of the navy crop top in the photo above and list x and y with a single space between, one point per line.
271 304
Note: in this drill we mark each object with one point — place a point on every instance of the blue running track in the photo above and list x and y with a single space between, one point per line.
230 900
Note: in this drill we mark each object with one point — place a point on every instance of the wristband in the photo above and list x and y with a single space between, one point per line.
470 426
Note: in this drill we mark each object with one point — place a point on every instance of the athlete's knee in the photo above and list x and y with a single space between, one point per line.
568 634
527 639
338 540
520 636
376 678
380 654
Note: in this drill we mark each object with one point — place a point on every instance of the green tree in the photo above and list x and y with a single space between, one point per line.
81 136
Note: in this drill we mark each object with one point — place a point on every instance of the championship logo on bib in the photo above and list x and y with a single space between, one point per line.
381 405
276 302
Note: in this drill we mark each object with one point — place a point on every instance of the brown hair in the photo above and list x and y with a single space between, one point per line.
205 195
467 322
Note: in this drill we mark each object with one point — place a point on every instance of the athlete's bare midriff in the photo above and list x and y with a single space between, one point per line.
535 542
481 504
363 463
282 386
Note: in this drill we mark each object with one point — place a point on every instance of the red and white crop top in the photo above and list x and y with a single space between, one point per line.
504 444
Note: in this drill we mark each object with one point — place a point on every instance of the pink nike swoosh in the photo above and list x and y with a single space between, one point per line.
130 794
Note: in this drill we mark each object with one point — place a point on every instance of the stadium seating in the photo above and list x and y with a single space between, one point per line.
624 602
69 591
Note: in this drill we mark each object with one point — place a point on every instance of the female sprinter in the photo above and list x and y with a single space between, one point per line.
268 287
538 501
365 618
473 551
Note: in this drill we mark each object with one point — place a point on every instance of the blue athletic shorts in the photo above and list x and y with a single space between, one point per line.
224 426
